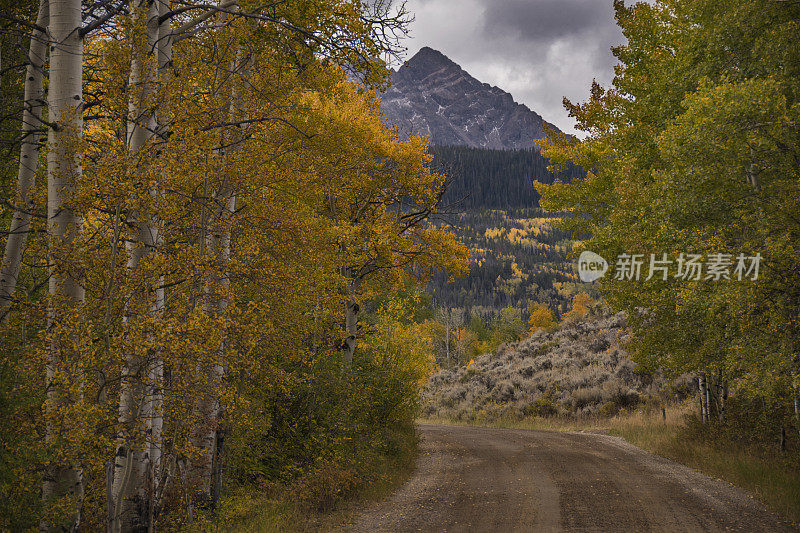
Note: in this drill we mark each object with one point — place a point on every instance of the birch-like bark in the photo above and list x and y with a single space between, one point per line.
447 338
132 469
64 223
155 383
795 400
702 386
28 162
207 409
700 396
711 396
209 439
723 397
752 174
215 452
351 329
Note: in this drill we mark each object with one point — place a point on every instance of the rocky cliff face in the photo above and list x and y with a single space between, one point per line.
431 95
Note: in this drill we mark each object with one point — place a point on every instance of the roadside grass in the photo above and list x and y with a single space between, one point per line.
256 509
277 508
770 476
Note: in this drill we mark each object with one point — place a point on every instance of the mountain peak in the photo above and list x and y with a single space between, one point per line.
432 95
428 61
428 54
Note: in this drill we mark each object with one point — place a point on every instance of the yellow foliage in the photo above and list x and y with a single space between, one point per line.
319 187
541 317
580 306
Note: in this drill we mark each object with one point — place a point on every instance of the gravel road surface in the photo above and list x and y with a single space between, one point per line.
483 479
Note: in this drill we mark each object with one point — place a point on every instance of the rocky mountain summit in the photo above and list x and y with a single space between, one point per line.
431 95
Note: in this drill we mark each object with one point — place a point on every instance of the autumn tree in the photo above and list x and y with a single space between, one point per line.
540 317
693 150
580 306
218 204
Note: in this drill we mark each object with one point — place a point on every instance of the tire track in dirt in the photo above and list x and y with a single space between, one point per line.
486 479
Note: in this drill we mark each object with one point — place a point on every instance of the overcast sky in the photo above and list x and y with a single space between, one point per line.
537 50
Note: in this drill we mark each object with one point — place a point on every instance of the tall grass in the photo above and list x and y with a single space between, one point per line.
771 476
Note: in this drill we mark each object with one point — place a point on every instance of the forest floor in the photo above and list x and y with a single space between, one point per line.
500 479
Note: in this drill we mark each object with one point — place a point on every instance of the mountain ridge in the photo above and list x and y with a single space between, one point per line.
432 95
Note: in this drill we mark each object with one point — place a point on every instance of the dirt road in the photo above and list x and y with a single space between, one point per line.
482 479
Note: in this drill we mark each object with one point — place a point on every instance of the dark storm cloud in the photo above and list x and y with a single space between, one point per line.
546 20
537 50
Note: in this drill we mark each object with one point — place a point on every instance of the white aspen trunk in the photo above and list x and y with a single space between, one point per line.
65 100
156 371
351 329
215 459
701 381
208 407
131 489
795 400
723 396
460 350
447 338
752 175
28 162
209 439
711 400
700 395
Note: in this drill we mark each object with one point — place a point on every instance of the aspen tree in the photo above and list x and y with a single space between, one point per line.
210 435
34 101
706 166
131 466
66 290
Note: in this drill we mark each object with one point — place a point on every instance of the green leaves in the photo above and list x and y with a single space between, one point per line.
695 150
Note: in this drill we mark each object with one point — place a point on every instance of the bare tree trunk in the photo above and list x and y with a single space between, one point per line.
351 329
701 381
217 468
218 450
711 391
795 400
132 468
128 460
156 371
65 100
752 175
700 395
109 468
28 162
208 410
723 396
447 338
210 438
